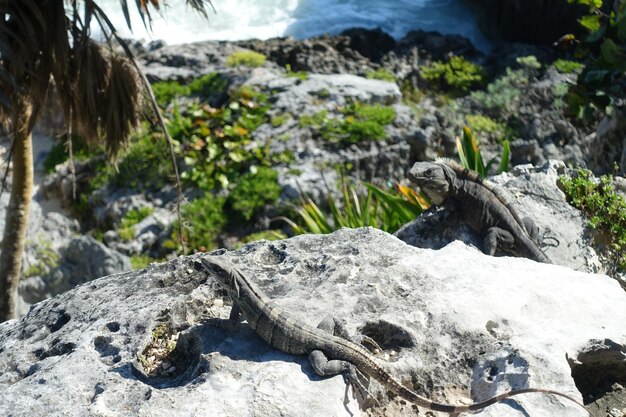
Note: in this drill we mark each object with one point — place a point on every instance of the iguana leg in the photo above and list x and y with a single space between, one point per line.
324 367
336 327
496 237
532 230
233 321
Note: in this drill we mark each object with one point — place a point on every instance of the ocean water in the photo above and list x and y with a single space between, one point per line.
262 19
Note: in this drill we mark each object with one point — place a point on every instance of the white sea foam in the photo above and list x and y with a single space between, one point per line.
262 19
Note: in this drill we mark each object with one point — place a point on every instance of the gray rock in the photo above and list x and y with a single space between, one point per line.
84 259
537 195
454 324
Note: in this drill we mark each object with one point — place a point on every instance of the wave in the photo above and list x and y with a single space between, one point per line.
263 19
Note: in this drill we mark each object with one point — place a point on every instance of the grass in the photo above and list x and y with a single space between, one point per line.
605 209
245 58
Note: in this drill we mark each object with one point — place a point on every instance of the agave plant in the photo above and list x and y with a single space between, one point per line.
48 41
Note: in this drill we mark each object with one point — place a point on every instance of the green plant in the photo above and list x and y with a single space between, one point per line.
381 74
245 58
502 93
81 151
205 219
301 75
279 120
529 62
360 205
457 75
255 190
566 66
485 124
141 261
360 122
47 259
604 207
468 149
126 231
602 83
205 86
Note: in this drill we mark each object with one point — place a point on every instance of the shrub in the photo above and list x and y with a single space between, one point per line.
381 74
457 75
360 122
502 93
245 58
253 192
604 207
529 62
565 66
204 220
205 86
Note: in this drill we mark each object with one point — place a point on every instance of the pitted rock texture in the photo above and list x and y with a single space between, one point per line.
454 325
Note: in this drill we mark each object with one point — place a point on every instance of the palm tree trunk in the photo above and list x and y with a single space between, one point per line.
14 237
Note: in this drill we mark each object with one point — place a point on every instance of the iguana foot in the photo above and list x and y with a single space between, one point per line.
336 327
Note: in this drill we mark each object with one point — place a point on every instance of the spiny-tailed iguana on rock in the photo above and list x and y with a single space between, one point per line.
328 354
486 208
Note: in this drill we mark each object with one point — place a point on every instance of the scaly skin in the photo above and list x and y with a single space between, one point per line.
285 333
486 208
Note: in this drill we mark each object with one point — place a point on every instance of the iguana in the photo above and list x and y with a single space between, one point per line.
486 208
329 354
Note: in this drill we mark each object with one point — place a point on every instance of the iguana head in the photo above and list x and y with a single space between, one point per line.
224 274
432 179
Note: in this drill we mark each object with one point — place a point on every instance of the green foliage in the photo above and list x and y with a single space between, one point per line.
565 66
360 122
245 58
205 86
468 149
126 231
381 74
529 62
502 93
301 75
59 154
485 124
457 75
218 144
360 205
145 165
141 261
602 83
47 259
604 207
279 120
254 191
204 220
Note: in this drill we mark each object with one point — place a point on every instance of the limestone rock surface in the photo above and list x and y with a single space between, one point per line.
454 324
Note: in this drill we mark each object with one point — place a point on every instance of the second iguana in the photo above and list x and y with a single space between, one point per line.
486 208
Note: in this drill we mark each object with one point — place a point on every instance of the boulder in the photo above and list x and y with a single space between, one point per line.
453 324
82 260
